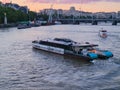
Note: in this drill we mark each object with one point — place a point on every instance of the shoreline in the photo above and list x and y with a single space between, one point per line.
8 25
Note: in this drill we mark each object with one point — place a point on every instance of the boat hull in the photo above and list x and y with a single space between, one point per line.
105 55
83 58
61 52
48 48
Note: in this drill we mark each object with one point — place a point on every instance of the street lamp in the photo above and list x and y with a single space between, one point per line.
5 18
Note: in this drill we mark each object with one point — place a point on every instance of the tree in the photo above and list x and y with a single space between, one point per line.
14 16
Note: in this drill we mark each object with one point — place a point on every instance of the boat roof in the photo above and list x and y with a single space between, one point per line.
58 41
63 39
85 45
66 41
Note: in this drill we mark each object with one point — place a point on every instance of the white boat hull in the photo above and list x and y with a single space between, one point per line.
49 48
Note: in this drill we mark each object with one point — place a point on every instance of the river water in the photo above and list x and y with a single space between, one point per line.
23 68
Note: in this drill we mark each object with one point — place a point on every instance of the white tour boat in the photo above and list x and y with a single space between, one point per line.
63 46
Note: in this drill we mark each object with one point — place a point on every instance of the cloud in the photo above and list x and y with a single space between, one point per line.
114 0
71 1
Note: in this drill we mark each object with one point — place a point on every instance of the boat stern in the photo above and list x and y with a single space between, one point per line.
92 55
105 55
108 54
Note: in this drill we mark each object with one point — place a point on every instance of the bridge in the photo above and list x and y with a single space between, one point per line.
93 21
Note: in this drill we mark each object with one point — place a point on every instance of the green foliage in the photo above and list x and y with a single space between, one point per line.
43 16
14 16
32 15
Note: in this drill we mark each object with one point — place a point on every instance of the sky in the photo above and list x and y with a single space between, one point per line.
84 5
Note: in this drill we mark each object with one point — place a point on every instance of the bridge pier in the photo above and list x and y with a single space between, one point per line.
114 22
94 22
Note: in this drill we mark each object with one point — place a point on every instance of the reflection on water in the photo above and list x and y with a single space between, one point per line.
22 67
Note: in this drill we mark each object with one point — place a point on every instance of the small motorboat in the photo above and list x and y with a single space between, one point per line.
57 23
23 25
103 33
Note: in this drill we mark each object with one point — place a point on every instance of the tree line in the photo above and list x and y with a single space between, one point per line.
15 16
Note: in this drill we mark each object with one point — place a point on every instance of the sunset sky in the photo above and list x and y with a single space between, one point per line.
85 5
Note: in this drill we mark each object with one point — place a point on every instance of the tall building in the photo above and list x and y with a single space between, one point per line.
24 9
72 9
118 14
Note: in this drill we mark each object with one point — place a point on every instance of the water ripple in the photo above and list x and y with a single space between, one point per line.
22 67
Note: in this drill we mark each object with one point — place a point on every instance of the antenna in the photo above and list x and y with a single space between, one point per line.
80 8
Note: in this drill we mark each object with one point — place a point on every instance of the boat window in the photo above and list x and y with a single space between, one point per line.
67 47
84 51
90 48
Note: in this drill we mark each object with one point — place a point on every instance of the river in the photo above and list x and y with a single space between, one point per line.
23 68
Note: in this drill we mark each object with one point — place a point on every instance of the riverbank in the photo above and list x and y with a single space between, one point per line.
8 25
